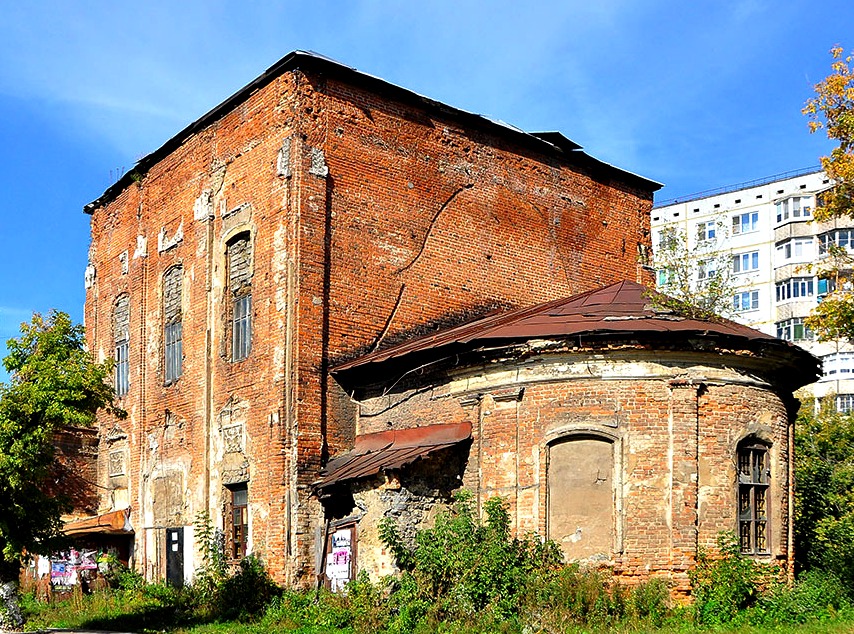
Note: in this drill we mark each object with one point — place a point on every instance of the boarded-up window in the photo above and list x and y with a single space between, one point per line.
121 334
239 254
581 497
172 328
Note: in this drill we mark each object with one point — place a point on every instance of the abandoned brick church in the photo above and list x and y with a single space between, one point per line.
331 299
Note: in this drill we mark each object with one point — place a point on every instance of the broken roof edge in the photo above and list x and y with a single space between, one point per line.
309 60
618 312
391 449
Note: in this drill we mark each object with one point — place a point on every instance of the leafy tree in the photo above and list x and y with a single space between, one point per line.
832 110
824 497
696 281
54 384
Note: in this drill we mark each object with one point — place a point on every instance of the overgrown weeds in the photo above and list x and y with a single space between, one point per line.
462 575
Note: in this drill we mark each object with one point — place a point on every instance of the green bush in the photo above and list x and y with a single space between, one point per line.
247 593
726 584
815 596
466 567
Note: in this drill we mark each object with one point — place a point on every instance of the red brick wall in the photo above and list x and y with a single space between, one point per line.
675 443
418 221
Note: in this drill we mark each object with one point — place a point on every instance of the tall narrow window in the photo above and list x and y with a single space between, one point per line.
121 336
172 329
754 479
239 520
239 253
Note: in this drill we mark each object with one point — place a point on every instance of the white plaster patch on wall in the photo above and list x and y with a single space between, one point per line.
164 242
318 163
141 247
203 208
89 276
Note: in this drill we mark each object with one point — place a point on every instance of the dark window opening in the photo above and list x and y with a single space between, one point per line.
754 479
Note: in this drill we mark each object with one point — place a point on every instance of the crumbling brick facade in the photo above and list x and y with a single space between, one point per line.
631 438
369 214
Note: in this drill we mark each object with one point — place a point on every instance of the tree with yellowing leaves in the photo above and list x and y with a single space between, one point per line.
832 110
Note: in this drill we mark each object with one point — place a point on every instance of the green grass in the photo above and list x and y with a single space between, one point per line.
304 613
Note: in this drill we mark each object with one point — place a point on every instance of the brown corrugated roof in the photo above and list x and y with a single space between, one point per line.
115 522
623 308
391 449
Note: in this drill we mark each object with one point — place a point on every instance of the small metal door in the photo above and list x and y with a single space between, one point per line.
175 557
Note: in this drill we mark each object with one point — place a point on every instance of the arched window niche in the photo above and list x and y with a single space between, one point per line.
583 502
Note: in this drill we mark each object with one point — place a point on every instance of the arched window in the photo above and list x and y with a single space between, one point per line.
121 339
581 496
172 328
239 256
754 482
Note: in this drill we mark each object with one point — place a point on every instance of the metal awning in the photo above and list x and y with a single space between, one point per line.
112 523
391 450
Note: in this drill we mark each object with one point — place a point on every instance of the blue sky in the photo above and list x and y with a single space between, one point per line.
695 95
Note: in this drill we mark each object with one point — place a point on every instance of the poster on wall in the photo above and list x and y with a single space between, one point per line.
339 558
66 566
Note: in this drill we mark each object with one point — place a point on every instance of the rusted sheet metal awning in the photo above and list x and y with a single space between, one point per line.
113 523
391 450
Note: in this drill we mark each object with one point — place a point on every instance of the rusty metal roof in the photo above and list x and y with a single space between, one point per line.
115 522
391 449
621 309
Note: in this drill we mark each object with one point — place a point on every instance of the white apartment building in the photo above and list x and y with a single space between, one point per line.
766 230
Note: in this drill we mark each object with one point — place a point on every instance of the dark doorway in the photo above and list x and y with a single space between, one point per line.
175 557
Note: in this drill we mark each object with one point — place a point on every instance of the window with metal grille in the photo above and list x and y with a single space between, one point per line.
754 479
172 330
121 335
239 521
239 254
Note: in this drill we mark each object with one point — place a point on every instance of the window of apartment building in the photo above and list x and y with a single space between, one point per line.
744 262
239 255
838 363
796 207
239 520
121 338
745 223
795 288
172 324
825 286
754 479
706 270
745 300
706 231
842 238
793 330
798 249
845 403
